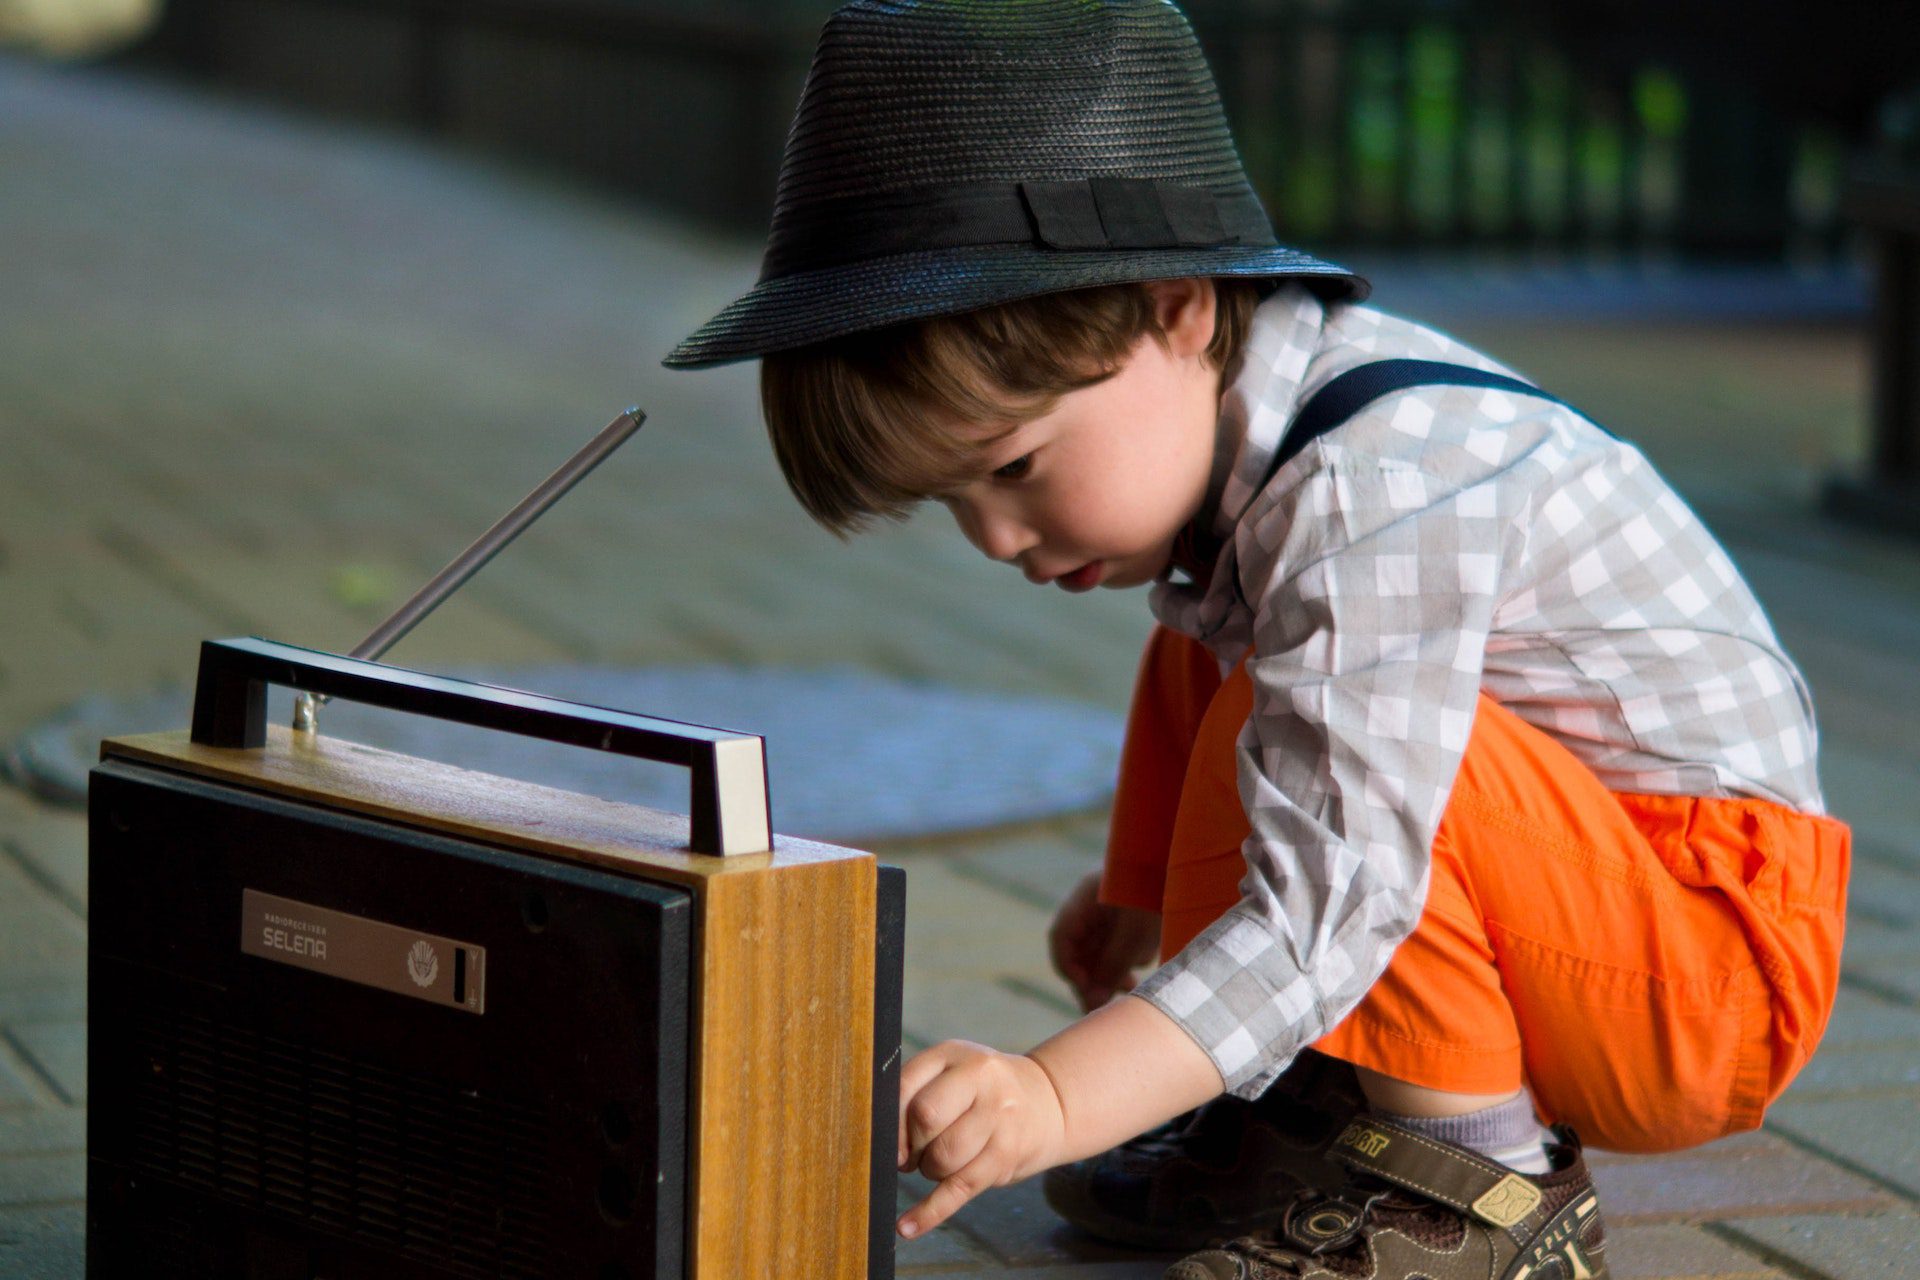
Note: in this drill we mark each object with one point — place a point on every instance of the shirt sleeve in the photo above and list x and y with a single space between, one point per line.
1372 583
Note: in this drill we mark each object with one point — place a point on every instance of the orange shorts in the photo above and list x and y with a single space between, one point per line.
1654 969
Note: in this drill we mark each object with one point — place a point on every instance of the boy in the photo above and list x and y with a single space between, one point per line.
1514 780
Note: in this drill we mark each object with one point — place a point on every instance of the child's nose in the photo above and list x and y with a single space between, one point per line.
993 534
1003 538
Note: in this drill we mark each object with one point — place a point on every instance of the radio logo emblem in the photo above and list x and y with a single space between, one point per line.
423 963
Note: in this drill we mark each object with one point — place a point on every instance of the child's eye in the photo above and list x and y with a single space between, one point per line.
1015 470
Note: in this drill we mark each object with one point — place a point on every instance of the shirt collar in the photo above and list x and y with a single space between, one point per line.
1257 406
1255 410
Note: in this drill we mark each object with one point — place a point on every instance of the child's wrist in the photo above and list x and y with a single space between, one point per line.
1118 1072
1051 1110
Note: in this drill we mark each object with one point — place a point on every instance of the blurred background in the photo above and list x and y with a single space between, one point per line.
1657 160
297 296
1479 159
1613 127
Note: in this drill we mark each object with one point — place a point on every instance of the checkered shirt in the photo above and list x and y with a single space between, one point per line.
1444 541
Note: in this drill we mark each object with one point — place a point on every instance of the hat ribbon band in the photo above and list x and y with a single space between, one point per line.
1081 214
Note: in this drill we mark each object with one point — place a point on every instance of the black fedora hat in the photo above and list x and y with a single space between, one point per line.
949 155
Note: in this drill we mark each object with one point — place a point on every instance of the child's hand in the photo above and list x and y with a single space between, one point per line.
1097 947
973 1118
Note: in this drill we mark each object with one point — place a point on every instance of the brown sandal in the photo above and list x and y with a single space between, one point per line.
1417 1207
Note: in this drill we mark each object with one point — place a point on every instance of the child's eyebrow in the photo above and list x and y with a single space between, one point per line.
993 463
979 463
952 488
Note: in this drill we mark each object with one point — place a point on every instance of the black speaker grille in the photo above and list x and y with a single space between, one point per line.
415 1165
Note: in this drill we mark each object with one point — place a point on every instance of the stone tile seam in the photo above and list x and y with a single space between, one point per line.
33 871
970 1240
934 844
1893 1094
29 1069
1028 989
1838 1206
177 495
1784 1263
1004 884
1877 989
1868 913
997 1254
1850 1165
576 645
1885 856
39 1205
137 555
84 620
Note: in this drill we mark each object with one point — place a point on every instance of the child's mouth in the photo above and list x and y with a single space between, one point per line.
1085 578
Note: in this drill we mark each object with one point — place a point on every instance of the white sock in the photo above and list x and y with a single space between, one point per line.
1506 1132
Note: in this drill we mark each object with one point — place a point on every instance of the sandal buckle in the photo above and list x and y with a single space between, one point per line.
1322 1225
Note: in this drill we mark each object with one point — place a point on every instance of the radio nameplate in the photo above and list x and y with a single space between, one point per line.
406 962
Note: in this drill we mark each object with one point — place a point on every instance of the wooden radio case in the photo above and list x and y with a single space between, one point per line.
355 1015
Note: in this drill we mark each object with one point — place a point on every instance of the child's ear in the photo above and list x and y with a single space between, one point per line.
1184 310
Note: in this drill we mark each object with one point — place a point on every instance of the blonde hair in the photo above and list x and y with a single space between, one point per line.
866 426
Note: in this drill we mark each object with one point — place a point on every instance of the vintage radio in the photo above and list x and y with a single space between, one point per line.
356 1015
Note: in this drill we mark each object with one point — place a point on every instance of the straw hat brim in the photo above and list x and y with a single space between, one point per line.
808 307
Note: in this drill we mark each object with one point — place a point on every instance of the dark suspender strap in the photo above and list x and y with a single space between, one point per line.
1359 387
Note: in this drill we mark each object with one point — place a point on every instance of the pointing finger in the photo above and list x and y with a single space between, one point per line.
946 1199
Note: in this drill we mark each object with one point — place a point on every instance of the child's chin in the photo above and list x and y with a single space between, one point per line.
1125 579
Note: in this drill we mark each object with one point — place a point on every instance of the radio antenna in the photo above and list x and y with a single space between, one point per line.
484 548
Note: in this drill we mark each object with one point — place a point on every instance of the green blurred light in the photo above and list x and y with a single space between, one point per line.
1660 102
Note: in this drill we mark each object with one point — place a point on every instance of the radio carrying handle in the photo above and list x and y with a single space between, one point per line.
729 806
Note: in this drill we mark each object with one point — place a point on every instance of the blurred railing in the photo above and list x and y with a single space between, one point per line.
684 105
1409 123
1441 123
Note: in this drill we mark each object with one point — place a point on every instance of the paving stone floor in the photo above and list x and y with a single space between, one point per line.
260 374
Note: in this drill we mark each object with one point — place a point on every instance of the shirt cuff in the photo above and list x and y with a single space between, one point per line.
1241 998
